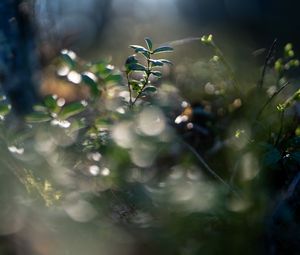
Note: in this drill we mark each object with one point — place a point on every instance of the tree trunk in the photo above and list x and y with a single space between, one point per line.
19 70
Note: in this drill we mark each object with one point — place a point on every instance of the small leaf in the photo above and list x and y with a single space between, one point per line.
136 85
76 125
114 78
139 48
131 60
101 124
165 61
38 117
71 110
136 67
40 108
89 80
157 74
156 62
163 49
150 89
50 103
149 43
69 57
100 69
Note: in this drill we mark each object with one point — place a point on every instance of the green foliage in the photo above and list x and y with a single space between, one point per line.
139 88
137 154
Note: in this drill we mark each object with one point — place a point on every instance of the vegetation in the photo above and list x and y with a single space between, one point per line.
135 159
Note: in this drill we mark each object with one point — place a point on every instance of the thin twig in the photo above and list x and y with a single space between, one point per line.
211 171
270 100
129 90
267 60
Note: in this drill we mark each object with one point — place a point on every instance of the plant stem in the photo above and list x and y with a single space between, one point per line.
148 72
220 54
270 100
209 170
129 90
263 74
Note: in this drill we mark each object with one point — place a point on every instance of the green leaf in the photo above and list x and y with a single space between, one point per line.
100 69
87 79
114 78
157 73
139 48
136 85
101 124
150 89
149 43
40 108
50 103
163 49
4 109
91 83
76 125
71 110
38 117
156 62
69 57
131 60
136 67
165 61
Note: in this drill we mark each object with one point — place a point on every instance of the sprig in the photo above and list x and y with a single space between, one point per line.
132 65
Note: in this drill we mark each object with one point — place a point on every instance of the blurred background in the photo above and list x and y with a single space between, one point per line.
154 198
107 27
103 29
